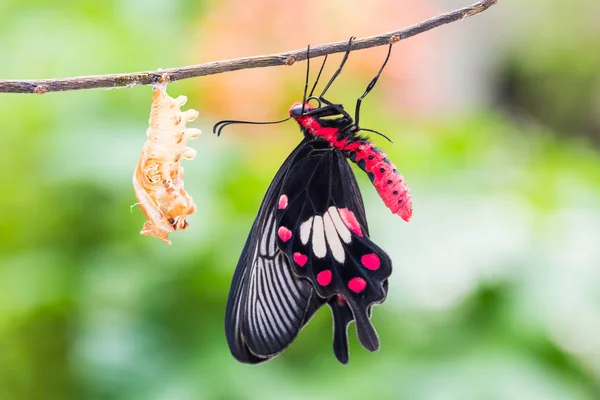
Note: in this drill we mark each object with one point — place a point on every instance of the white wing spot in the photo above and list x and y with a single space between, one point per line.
333 240
305 230
318 237
341 228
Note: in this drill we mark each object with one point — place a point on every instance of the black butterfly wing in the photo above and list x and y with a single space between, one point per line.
268 305
322 228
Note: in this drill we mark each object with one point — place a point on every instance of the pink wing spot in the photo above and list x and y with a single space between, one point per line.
357 285
371 261
324 277
350 221
284 233
283 202
300 259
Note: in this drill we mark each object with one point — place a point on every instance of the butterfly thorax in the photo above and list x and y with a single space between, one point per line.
332 124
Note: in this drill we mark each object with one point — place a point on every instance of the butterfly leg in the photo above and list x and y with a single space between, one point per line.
339 70
335 107
307 76
370 87
318 76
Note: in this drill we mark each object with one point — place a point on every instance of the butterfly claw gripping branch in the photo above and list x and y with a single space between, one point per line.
158 177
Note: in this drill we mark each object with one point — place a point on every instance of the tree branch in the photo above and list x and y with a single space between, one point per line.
41 86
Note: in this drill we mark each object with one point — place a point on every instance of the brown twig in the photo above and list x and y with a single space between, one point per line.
41 86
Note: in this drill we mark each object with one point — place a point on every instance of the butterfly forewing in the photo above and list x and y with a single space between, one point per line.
268 305
321 226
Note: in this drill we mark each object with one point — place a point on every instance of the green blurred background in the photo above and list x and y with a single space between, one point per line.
496 123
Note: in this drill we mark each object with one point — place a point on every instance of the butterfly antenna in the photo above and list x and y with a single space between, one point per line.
318 76
370 87
339 70
374 131
222 124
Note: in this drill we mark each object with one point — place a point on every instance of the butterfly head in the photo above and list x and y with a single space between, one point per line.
297 110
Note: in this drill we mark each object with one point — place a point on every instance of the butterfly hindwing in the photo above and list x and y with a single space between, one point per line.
265 310
268 305
321 226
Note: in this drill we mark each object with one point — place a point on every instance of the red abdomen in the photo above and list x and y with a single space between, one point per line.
383 173
387 180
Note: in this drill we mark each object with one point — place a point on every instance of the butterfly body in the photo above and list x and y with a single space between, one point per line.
341 133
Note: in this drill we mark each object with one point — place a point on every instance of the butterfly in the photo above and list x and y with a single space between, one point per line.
309 244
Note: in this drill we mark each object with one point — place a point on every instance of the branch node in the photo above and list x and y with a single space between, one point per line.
290 60
479 7
40 89
394 38
165 78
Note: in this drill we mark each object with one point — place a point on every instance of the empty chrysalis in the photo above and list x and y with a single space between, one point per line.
158 177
